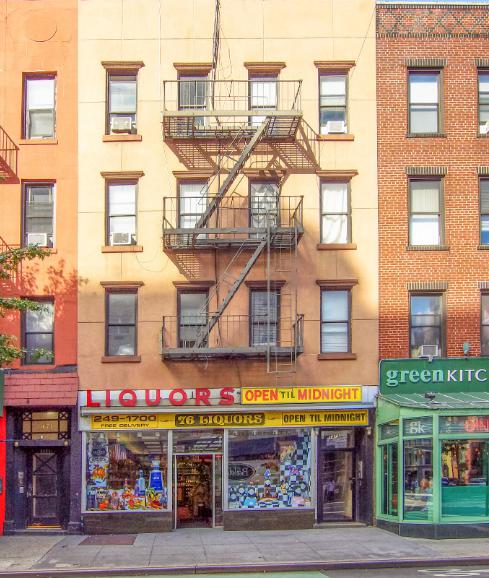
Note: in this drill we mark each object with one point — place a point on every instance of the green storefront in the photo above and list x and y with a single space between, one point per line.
432 447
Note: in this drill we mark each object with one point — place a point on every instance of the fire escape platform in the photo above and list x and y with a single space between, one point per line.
208 353
228 124
247 238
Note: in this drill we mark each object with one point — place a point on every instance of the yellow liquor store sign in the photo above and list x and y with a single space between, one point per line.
274 395
357 417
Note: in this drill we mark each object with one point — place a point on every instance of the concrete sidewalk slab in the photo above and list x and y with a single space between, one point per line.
192 550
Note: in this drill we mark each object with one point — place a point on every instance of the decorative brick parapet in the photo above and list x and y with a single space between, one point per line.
432 20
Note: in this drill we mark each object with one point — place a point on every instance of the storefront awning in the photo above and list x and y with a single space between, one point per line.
459 400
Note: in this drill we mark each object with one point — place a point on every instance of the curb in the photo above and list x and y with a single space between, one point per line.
245 568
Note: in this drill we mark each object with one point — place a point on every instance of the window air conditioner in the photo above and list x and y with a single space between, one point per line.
335 126
40 239
121 124
428 351
484 128
120 238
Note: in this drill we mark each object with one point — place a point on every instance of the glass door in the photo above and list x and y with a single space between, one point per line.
336 483
43 489
194 496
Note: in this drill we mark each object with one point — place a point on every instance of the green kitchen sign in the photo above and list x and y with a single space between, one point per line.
447 375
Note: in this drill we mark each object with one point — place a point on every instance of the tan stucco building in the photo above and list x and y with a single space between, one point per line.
227 241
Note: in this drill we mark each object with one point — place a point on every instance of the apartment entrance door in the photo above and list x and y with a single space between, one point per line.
43 488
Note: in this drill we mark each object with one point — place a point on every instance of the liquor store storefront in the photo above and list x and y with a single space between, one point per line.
249 458
432 450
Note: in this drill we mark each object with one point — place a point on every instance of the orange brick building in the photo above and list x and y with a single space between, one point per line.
38 200
432 78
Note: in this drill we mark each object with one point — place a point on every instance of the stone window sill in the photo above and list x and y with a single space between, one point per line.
121 359
336 356
122 249
428 248
483 247
38 141
122 138
338 136
336 246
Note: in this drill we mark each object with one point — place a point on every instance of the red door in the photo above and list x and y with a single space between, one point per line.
3 462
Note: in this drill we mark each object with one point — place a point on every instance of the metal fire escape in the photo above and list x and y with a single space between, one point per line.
8 158
229 119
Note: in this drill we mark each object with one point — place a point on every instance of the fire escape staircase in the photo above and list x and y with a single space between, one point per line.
231 177
8 158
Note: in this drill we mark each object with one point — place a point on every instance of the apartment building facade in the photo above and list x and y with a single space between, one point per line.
432 79
227 318
38 159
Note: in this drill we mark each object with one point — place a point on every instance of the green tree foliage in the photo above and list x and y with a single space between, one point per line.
10 261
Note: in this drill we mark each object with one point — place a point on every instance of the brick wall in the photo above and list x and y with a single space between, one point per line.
459 36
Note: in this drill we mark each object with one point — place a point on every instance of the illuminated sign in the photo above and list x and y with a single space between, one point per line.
277 395
230 420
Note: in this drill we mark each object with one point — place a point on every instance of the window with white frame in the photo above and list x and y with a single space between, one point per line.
484 210
332 103
192 202
121 213
335 212
424 102
263 94
426 322
425 218
39 107
38 330
483 84
335 320
39 214
122 103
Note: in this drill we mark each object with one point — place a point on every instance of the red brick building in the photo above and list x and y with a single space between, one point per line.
433 154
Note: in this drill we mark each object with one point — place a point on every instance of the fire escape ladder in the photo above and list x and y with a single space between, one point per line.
202 339
228 181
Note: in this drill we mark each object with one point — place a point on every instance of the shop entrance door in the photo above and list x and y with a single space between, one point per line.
194 495
43 488
336 483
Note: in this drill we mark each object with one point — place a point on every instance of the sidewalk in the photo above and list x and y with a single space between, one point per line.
201 550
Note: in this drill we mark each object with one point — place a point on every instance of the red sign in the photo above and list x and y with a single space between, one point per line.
474 424
155 397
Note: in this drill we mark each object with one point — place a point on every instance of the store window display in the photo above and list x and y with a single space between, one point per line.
126 471
269 469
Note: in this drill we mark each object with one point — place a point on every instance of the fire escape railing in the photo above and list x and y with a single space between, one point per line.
8 157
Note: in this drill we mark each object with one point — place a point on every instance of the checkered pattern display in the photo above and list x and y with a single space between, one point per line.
294 483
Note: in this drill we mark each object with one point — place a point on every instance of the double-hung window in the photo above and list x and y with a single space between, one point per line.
265 307
39 214
426 322
192 202
121 322
192 318
263 94
264 205
39 107
425 212
483 84
335 213
485 324
192 95
121 103
335 321
332 103
424 102
38 330
121 213
484 211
